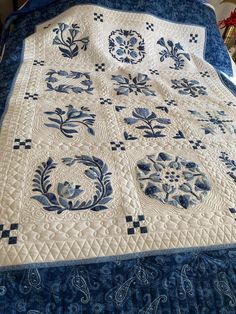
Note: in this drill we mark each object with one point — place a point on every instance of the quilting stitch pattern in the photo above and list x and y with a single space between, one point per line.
118 104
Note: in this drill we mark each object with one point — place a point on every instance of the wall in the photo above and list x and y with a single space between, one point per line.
222 10
6 7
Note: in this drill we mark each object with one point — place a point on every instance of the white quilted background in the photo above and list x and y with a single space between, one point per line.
45 236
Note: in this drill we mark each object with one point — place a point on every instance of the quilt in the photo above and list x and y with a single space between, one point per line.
118 161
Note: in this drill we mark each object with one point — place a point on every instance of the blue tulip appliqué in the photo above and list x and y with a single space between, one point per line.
67 40
151 125
66 122
68 190
68 194
172 180
173 51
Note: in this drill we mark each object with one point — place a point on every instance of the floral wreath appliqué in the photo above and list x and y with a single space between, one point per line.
84 80
126 46
172 180
67 194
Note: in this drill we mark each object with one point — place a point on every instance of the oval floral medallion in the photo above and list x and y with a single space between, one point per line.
172 180
126 46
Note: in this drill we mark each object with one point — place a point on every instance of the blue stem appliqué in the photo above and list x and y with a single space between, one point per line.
67 41
66 122
173 51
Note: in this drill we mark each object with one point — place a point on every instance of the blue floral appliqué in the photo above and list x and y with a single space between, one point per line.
172 180
214 122
67 121
126 46
175 52
69 46
85 83
66 197
189 87
230 164
150 123
135 85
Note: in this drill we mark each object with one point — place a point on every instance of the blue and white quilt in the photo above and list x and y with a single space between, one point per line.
118 160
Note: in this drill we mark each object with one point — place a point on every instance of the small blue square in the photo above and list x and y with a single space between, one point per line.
5 233
143 229
130 230
1 227
140 217
14 227
129 218
12 240
136 224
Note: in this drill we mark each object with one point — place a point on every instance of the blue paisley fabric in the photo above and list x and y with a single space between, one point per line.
184 282
198 281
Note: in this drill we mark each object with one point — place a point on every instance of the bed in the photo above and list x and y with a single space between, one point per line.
118 160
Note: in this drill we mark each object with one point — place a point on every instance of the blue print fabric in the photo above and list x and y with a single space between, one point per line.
117 161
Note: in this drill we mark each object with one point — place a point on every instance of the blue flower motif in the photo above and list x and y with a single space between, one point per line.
68 190
151 190
172 51
145 167
126 46
84 81
215 121
136 85
189 87
150 123
69 46
51 79
172 180
230 164
67 121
